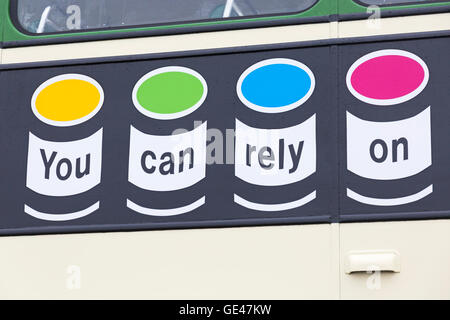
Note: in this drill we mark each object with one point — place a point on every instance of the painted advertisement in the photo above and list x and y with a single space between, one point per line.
292 135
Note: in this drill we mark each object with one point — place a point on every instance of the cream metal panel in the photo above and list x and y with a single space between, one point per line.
286 262
398 25
224 39
423 248
173 43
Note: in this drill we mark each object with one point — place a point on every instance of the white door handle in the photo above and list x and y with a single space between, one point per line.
369 261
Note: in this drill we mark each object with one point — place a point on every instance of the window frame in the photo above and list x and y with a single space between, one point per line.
14 16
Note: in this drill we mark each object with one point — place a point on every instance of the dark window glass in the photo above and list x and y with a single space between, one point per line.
48 16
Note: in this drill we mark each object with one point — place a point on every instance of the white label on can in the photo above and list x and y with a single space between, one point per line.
275 157
64 168
165 163
389 150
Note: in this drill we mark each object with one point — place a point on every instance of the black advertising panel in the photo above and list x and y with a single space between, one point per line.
171 142
275 135
395 120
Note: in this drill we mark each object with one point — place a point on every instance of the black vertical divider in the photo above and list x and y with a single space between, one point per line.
335 93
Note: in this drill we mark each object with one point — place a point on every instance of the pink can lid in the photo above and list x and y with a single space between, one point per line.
387 77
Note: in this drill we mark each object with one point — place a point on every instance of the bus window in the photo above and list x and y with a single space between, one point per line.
49 16
393 2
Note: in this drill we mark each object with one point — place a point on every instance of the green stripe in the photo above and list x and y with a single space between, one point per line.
322 8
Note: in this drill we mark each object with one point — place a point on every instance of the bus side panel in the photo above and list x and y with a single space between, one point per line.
421 267
423 249
290 262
